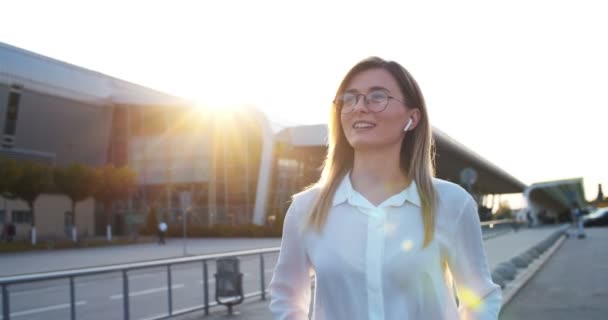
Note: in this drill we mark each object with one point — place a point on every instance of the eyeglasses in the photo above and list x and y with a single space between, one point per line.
375 101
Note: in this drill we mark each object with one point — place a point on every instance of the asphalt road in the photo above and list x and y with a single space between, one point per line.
101 297
573 284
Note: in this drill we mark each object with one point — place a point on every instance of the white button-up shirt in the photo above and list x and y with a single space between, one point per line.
369 261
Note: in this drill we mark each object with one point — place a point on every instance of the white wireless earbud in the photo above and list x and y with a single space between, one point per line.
407 126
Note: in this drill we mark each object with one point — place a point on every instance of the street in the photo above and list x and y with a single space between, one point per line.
101 296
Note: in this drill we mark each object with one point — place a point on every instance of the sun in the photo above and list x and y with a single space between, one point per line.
215 103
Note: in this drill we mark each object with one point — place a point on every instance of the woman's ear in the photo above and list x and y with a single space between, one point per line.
415 117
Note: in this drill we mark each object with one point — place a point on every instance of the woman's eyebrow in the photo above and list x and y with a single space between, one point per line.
378 88
374 88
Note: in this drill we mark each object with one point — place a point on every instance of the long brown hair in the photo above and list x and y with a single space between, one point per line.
416 158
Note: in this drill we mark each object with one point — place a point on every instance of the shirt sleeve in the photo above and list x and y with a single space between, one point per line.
478 296
290 285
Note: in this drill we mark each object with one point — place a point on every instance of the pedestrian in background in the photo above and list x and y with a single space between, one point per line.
576 214
162 228
529 218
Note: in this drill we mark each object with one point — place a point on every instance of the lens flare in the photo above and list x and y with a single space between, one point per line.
389 228
470 299
407 245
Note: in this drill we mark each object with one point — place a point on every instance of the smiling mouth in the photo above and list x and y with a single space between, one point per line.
363 125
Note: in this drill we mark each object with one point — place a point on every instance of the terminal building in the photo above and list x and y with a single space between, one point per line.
223 167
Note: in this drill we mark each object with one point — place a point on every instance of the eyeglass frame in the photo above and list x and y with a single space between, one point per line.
365 100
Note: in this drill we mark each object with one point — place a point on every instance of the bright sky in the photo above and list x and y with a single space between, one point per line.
522 83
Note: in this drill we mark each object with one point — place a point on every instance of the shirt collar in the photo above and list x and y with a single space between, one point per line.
345 192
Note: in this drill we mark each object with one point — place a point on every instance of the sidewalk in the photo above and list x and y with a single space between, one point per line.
498 250
506 247
573 284
54 260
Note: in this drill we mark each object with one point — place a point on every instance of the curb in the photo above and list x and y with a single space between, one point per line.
512 288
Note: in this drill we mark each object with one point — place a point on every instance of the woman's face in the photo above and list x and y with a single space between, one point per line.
364 128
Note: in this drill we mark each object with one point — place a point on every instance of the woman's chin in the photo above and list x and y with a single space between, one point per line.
374 143
365 144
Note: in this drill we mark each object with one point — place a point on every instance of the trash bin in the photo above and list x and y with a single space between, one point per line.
228 283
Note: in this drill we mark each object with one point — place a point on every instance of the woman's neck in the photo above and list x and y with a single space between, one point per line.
377 175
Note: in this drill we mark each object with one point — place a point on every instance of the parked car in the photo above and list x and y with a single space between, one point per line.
597 218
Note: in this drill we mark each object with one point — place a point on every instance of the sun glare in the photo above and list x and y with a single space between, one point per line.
213 106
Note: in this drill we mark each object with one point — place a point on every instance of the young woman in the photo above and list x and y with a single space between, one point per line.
384 239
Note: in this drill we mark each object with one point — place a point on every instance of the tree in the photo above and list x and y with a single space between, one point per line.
9 172
504 211
112 184
32 180
8 175
75 181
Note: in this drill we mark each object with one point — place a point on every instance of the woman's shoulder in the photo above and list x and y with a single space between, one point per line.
450 194
301 203
448 187
306 196
451 203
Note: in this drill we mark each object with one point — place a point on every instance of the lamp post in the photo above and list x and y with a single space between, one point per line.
246 213
185 205
169 193
225 167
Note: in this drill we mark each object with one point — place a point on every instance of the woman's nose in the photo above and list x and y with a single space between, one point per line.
361 104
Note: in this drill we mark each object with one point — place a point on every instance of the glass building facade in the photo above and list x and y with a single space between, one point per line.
189 160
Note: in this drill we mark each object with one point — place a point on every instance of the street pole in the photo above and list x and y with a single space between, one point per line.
184 228
246 213
226 203
185 205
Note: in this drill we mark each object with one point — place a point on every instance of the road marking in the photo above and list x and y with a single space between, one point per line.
199 307
139 276
210 281
67 286
44 309
144 292
51 288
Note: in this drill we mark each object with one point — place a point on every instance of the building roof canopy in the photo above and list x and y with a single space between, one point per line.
451 158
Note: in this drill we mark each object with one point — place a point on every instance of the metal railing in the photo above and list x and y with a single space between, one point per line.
125 269
489 229
493 223
494 228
